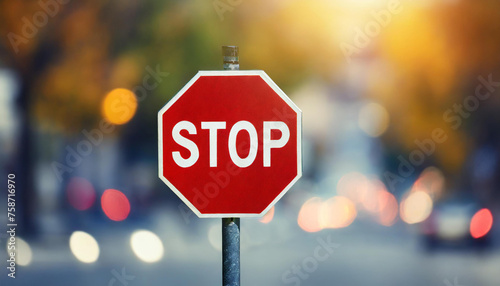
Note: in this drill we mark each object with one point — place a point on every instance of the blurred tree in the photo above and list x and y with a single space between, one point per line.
438 51
68 55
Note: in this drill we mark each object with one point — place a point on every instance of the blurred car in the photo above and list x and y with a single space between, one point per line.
460 222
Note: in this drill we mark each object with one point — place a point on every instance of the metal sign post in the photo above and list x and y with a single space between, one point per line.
230 226
230 251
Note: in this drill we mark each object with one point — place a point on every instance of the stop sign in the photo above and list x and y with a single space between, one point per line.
229 143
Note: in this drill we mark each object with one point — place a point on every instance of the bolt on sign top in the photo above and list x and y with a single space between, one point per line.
229 143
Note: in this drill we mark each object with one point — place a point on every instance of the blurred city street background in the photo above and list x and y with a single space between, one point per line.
401 141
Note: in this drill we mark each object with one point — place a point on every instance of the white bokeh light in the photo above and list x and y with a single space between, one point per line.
147 246
22 251
84 247
373 119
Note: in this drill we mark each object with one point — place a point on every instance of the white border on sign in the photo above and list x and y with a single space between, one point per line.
276 89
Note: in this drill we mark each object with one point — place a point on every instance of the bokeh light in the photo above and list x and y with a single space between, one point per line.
119 106
147 246
481 223
317 109
416 207
308 218
337 212
80 193
369 197
215 236
353 186
373 119
268 217
115 205
22 251
388 208
84 247
431 181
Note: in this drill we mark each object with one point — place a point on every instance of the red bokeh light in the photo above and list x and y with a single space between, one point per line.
481 223
115 205
80 193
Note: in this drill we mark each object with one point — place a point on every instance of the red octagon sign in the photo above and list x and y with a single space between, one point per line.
229 143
